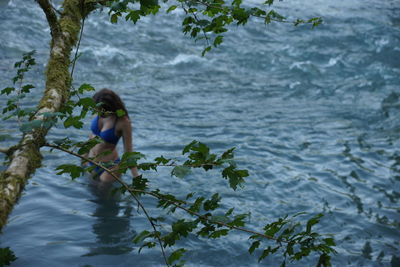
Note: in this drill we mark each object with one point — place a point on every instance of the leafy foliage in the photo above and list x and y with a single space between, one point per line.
203 216
297 243
73 170
204 19
6 256
19 90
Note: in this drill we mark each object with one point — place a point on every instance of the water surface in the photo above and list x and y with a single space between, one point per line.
314 115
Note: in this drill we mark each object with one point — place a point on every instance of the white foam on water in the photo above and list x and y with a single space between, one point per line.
184 58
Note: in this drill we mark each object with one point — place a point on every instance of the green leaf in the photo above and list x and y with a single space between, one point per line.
187 148
234 176
7 90
171 8
183 227
74 170
240 15
314 220
253 246
330 241
6 256
134 16
130 159
31 125
203 22
212 204
238 221
206 50
114 18
324 260
236 3
86 102
142 236
298 21
176 255
74 121
27 88
220 218
219 233
147 166
85 87
190 195
18 64
206 230
274 227
165 200
180 171
218 40
267 252
197 204
194 32
269 2
264 254
315 21
228 154
275 15
84 147
148 3
229 212
148 245
161 160
139 183
120 113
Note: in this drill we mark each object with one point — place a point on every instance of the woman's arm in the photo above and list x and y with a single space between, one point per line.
127 138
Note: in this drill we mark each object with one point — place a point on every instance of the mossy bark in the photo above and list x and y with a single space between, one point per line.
25 157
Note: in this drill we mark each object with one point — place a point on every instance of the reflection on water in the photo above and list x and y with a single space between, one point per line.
112 225
3 3
315 117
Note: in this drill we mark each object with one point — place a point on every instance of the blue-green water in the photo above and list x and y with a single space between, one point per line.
314 115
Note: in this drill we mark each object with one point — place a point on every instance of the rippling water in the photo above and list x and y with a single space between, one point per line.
314 114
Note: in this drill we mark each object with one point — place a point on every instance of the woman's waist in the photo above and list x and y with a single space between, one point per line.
104 153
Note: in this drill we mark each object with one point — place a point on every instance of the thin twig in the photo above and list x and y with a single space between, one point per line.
51 16
19 92
4 150
202 28
77 48
76 54
176 204
202 216
257 16
56 10
126 186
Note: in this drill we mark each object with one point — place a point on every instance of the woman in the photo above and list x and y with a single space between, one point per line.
110 127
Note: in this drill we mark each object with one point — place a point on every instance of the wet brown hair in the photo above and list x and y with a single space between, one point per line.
110 101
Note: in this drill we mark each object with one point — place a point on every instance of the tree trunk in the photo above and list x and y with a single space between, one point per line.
25 157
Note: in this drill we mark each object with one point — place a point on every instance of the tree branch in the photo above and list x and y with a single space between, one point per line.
51 16
4 150
132 191
125 185
24 160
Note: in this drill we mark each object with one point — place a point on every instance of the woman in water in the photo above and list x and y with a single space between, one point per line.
110 128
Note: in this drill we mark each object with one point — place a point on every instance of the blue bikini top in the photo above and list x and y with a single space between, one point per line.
108 135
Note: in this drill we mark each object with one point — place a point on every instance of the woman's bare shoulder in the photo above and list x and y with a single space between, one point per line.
123 122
